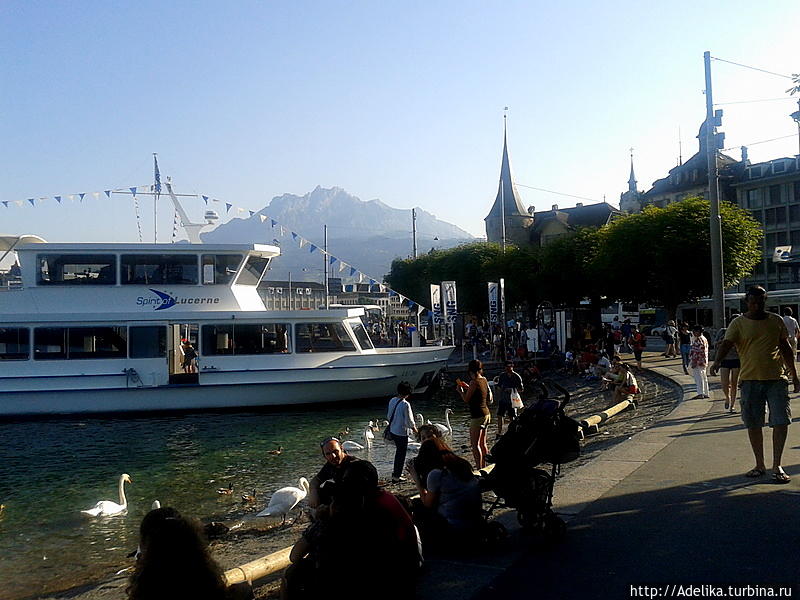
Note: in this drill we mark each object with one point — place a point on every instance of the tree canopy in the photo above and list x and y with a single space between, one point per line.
660 256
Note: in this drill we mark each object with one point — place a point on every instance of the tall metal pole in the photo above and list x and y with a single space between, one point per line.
325 259
291 296
414 232
715 224
156 195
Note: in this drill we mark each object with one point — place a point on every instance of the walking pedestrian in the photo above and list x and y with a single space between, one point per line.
669 336
729 370
401 422
698 360
476 396
508 381
637 342
792 329
685 345
763 344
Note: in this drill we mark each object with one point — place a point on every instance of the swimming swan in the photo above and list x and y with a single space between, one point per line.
106 508
447 429
351 446
284 500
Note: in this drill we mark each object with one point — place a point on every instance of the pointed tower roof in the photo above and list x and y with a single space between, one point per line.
632 178
506 191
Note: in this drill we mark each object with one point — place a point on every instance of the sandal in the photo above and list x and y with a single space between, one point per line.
727 405
755 473
780 476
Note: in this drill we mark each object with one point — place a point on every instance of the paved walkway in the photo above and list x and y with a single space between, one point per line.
668 507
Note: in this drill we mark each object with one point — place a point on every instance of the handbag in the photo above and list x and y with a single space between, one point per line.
516 399
387 432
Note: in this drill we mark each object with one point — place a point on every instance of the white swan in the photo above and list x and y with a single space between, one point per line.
106 508
155 505
420 420
351 446
284 500
367 435
445 430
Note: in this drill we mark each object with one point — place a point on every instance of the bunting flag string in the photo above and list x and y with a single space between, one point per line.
299 239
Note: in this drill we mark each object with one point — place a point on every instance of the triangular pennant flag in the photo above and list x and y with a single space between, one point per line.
411 304
71 196
352 271
133 190
96 195
82 195
360 277
372 282
32 201
294 236
228 207
107 193
381 287
282 230
58 199
5 203
251 212
392 292
342 265
18 202
332 260
262 217
402 298
214 200
239 209
205 199
303 242
274 222
43 198
312 248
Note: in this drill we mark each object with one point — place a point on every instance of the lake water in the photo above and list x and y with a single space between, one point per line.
52 469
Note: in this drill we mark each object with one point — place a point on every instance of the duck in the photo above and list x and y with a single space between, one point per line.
107 508
343 433
249 498
226 491
277 452
284 500
447 429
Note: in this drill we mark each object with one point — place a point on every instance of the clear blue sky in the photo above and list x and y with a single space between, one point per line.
401 101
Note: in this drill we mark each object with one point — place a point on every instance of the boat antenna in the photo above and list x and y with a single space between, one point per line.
156 196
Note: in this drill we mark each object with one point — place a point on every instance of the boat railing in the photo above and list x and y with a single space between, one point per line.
10 284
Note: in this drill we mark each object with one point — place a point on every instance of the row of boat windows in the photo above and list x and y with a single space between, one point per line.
150 341
148 269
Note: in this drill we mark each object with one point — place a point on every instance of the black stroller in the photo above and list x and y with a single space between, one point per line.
541 434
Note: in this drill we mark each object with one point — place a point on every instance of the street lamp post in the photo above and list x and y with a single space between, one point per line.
796 116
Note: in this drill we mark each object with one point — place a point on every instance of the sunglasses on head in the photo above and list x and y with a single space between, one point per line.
329 439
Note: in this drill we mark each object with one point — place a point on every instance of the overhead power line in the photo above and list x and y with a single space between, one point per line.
783 137
751 101
730 62
558 193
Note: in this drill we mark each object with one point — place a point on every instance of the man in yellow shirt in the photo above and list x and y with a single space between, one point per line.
763 345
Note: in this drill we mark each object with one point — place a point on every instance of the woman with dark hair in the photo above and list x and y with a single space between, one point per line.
476 396
174 561
450 494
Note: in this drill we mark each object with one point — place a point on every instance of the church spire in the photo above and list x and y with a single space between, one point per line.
508 201
632 178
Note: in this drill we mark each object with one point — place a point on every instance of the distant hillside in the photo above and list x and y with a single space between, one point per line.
367 235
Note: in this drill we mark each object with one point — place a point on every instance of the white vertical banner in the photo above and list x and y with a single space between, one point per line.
503 300
493 302
436 304
450 301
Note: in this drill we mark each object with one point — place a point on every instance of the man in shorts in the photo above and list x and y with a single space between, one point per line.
508 381
762 341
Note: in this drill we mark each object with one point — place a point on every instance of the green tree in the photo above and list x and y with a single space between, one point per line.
663 255
471 266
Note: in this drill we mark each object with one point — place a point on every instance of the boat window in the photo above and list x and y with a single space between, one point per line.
361 335
245 338
77 269
253 270
15 343
220 269
322 337
148 341
154 269
97 342
50 343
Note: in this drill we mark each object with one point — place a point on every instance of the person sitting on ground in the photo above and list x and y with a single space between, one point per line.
614 377
626 389
424 433
336 458
174 562
603 365
361 516
450 495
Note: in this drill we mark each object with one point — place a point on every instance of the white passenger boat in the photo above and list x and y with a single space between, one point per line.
94 328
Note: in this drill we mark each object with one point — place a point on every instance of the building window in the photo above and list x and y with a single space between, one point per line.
797 191
794 238
774 195
754 198
754 172
758 215
779 166
775 216
694 174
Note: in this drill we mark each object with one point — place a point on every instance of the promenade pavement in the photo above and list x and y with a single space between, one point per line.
667 513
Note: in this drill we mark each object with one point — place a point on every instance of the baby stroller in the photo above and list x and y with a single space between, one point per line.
541 434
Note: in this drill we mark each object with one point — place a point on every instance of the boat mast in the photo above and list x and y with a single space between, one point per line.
156 196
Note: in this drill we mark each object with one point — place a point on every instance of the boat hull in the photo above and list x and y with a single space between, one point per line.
360 377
